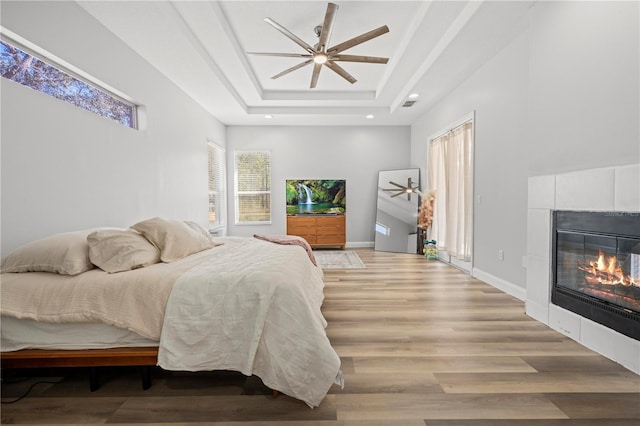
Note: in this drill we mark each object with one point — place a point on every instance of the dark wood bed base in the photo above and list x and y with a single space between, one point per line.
144 357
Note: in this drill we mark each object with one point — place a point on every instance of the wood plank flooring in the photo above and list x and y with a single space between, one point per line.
421 343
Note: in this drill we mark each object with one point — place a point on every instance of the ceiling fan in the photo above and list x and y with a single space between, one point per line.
401 189
320 54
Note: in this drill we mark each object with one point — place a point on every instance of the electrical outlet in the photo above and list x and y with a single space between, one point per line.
500 254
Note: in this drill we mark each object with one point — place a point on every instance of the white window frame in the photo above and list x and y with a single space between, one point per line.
238 193
219 227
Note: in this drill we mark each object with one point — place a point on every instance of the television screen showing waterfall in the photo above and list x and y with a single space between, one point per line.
316 196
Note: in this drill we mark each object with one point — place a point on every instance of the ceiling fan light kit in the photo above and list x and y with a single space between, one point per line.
320 58
320 55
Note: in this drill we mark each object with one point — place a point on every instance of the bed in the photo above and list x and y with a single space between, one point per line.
190 304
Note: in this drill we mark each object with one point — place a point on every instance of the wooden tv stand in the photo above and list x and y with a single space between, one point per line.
319 230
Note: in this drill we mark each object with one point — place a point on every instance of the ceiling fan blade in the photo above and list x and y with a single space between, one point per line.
315 75
290 35
327 26
296 67
340 71
286 55
397 184
358 40
359 58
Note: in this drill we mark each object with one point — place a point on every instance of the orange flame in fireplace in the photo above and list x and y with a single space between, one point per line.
607 271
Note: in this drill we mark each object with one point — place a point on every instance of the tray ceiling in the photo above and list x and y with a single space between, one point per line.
202 47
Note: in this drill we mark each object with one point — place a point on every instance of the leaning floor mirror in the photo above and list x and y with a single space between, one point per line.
397 211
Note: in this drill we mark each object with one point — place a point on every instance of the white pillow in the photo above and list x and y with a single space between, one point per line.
175 239
118 250
198 228
66 253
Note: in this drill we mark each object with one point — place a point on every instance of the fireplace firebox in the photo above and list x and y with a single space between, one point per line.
596 267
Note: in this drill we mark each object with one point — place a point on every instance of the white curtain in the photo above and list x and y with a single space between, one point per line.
450 176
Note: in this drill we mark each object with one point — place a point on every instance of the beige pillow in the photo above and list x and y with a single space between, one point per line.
196 227
118 250
175 239
66 253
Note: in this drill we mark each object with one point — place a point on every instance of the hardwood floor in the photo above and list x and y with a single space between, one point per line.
421 343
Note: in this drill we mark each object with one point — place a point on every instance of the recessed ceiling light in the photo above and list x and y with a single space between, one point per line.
414 96
370 116
268 116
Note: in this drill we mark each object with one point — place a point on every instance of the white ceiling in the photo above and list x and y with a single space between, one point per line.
432 47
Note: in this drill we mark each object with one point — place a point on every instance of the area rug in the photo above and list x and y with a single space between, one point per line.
338 259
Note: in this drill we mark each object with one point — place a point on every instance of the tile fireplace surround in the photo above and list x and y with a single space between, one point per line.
615 189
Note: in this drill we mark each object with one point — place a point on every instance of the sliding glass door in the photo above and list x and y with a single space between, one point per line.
450 176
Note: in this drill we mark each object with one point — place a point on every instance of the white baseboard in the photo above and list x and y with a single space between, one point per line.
500 284
359 244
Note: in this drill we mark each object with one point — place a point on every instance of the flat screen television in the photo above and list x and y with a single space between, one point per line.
316 196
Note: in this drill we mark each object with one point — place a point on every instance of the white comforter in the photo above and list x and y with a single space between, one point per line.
253 308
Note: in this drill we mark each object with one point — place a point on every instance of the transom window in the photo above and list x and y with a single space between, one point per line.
24 68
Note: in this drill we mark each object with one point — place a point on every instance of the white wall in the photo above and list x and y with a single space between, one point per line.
352 153
497 93
562 96
65 169
584 107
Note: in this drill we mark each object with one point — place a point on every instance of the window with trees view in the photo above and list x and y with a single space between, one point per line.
253 187
24 68
217 198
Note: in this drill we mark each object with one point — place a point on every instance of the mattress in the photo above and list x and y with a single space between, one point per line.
19 334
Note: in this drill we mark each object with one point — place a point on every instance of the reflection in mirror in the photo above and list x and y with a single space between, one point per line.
397 211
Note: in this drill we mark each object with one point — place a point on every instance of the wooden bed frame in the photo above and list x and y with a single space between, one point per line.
144 357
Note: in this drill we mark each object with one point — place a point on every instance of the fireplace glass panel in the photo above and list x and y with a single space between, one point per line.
603 267
570 252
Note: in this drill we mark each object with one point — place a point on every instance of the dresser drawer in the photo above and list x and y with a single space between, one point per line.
328 229
301 221
331 221
330 239
298 230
